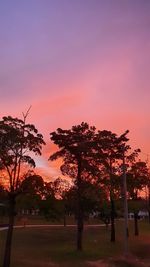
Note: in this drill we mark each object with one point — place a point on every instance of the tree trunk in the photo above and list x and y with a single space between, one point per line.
64 219
112 205
79 232
79 210
8 245
107 222
149 204
136 228
113 235
149 216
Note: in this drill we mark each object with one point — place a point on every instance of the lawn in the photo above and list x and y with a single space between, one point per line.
46 247
39 219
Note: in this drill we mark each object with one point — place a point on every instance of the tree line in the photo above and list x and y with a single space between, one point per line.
93 160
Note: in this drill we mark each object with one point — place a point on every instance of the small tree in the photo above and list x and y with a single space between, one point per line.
53 203
61 187
91 199
31 189
148 195
18 141
33 184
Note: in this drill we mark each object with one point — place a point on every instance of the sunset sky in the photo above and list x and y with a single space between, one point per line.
74 61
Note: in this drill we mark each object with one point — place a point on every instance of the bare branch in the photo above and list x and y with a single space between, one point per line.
25 115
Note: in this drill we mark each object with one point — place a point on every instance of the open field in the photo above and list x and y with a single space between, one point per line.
39 219
46 247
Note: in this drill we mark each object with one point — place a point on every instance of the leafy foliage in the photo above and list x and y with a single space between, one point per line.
18 141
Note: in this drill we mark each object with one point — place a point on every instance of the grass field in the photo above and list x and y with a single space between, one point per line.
56 246
37 219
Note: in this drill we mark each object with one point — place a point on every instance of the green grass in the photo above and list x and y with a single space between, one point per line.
40 247
39 219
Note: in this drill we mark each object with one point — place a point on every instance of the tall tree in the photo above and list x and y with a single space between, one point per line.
137 179
110 149
76 149
18 142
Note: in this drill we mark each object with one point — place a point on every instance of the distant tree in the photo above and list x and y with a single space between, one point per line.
18 141
91 199
61 187
147 194
51 208
76 149
31 189
32 184
51 205
137 179
110 149
3 201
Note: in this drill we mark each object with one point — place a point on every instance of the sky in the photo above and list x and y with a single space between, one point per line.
74 61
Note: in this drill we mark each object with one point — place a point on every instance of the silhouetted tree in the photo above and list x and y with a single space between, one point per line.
52 205
76 149
3 203
17 141
91 199
137 179
110 149
147 194
32 184
61 187
31 189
